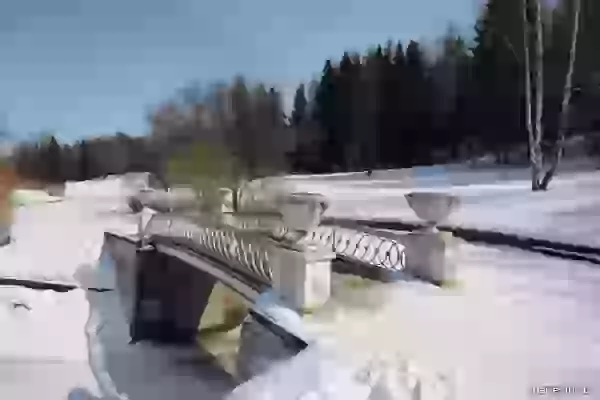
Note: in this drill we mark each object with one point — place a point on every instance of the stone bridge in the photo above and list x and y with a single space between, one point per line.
166 274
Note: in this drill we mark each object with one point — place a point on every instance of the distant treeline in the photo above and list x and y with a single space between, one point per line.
394 106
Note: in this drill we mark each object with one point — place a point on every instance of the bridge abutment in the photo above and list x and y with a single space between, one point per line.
170 298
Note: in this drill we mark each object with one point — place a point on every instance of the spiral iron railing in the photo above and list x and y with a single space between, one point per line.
364 247
242 250
360 246
242 242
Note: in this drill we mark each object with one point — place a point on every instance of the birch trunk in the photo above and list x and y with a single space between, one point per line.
566 101
539 93
534 147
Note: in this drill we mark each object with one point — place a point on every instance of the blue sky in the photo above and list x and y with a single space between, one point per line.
88 67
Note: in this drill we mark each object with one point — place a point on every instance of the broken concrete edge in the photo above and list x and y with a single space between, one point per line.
470 234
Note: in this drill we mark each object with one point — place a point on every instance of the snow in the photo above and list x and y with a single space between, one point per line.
52 239
75 345
143 371
43 348
516 319
317 373
270 306
28 197
569 212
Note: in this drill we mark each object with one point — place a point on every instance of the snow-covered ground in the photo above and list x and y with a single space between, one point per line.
516 320
499 200
43 347
75 345
51 241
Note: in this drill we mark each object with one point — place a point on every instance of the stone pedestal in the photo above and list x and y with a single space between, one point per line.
427 257
426 250
302 276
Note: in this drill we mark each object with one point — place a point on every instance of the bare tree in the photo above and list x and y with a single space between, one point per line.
539 96
534 145
566 101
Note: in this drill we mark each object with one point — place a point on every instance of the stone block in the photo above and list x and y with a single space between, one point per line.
302 277
427 257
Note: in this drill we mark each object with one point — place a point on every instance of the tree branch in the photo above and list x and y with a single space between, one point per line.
558 147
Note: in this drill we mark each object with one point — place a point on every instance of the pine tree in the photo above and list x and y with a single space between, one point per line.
348 113
415 126
588 58
300 104
390 109
498 74
52 160
84 161
325 113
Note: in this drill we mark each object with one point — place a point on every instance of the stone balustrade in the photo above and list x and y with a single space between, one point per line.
300 272
240 238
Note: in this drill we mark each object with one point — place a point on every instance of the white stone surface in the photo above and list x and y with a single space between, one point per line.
302 211
432 207
427 257
303 278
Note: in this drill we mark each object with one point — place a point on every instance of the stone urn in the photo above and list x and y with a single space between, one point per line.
432 207
301 270
426 250
301 213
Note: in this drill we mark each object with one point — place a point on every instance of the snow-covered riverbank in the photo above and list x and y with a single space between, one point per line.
569 212
75 345
516 320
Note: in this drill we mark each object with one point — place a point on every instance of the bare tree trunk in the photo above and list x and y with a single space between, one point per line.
534 147
566 101
539 94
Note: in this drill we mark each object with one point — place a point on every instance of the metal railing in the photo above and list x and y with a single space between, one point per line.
367 248
242 250
241 240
